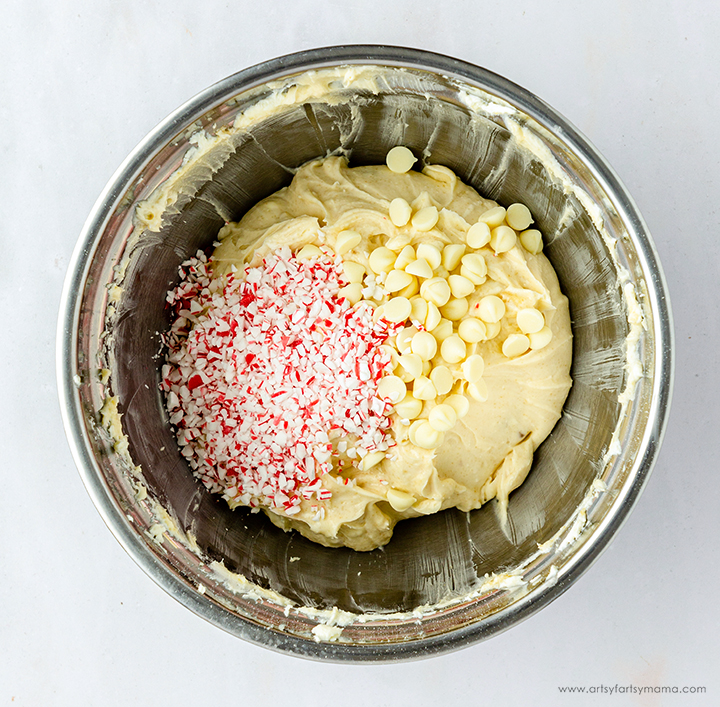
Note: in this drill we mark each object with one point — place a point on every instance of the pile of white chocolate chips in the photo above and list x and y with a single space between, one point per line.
335 340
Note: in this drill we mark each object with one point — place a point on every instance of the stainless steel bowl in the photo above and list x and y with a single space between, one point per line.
444 581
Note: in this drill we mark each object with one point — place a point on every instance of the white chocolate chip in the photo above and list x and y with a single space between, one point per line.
518 217
404 376
515 345
420 268
354 272
436 290
493 217
413 429
400 500
391 388
460 286
424 345
478 235
412 364
409 407
433 316
352 292
451 255
503 239
530 320
532 241
490 309
427 251
397 280
371 459
407 256
472 330
455 309
473 367
346 241
443 330
397 309
425 436
382 260
540 339
411 290
398 242
308 251
403 339
425 219
419 310
400 159
442 378
474 268
442 417
492 330
423 389
459 403
453 349
399 212
478 391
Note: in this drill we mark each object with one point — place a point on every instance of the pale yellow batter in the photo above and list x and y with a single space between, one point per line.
488 452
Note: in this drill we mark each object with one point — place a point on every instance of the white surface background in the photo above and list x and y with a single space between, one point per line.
81 83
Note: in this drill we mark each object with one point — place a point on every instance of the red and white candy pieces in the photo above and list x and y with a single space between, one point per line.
264 367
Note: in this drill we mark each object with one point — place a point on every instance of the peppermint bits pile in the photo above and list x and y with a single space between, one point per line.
265 369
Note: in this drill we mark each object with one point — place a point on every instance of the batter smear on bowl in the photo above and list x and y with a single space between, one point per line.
366 345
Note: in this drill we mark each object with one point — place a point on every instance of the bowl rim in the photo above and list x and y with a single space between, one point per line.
182 117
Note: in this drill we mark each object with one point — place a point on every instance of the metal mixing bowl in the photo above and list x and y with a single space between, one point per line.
443 581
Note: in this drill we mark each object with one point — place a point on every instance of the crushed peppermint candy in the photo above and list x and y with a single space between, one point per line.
265 367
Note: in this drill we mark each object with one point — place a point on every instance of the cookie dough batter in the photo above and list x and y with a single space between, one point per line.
478 370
